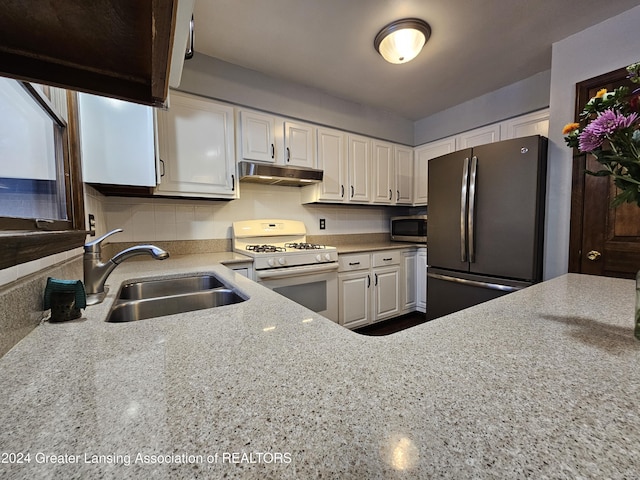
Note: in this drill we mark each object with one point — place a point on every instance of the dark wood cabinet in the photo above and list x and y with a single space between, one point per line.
117 48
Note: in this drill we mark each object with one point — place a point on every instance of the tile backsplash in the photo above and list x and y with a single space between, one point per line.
161 219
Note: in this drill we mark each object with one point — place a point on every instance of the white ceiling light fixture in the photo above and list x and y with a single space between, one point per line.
402 40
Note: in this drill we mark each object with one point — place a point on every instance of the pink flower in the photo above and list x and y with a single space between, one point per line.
605 124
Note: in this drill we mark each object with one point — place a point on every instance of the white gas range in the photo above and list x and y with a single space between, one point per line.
284 262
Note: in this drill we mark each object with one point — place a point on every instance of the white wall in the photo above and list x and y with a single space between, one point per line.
213 78
602 48
151 219
516 99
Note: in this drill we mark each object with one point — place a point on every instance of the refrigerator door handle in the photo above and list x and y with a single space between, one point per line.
463 210
474 283
472 208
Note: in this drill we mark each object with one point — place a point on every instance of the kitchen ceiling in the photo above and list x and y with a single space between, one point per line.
476 46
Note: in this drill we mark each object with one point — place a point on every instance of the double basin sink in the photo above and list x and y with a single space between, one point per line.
154 298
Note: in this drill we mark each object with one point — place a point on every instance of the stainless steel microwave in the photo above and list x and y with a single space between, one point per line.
411 228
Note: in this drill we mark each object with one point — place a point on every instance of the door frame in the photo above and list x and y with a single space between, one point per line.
579 168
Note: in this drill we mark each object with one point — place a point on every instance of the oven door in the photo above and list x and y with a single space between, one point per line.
313 286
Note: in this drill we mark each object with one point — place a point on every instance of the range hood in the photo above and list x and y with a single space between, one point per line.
256 172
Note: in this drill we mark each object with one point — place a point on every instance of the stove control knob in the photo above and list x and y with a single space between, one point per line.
327 257
281 261
319 257
271 262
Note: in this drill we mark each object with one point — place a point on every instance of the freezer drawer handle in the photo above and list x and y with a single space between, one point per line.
474 283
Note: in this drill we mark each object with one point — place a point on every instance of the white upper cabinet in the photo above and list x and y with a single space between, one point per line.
478 136
383 170
197 155
536 123
299 145
117 141
422 156
258 136
359 160
332 159
404 175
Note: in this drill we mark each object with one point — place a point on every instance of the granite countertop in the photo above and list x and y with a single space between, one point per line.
542 383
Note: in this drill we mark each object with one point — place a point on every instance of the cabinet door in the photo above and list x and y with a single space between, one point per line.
386 295
408 278
478 136
422 156
298 145
536 123
359 159
332 160
117 139
383 167
354 298
404 175
421 280
257 136
196 148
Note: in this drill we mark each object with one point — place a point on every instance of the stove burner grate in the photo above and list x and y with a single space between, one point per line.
304 246
265 248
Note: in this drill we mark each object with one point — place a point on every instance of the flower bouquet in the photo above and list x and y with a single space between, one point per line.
609 129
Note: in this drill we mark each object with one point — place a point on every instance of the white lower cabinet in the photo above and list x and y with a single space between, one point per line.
421 280
408 290
370 287
354 290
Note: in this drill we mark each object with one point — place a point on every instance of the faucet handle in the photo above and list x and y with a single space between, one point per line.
94 246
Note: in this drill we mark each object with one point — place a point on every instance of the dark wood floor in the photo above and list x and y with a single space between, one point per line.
393 325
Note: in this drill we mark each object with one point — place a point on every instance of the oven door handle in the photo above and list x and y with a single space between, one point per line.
296 271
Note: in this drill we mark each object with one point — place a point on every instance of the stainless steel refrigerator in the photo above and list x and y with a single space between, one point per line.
485 223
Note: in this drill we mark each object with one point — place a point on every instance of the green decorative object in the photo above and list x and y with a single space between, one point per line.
65 298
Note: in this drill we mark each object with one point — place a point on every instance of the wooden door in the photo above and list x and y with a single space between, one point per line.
604 241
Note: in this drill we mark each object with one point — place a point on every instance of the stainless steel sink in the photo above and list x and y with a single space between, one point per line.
169 286
155 298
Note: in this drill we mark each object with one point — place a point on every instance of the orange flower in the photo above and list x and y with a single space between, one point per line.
601 93
570 127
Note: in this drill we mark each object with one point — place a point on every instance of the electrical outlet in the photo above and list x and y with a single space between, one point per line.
92 225
322 224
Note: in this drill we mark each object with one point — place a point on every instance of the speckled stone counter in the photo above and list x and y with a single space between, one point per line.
375 246
542 383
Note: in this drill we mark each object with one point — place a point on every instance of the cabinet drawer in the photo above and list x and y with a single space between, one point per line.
347 263
389 257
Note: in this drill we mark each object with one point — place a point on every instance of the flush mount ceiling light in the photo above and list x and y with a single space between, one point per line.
402 40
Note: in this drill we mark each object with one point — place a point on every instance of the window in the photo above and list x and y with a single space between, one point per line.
41 199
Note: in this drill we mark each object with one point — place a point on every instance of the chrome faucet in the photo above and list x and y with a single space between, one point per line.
96 272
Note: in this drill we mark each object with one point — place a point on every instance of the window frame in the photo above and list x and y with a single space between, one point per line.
26 239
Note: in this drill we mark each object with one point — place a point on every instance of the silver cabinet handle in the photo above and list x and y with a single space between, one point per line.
463 210
233 182
288 154
188 55
162 168
351 191
390 194
354 263
342 191
273 151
